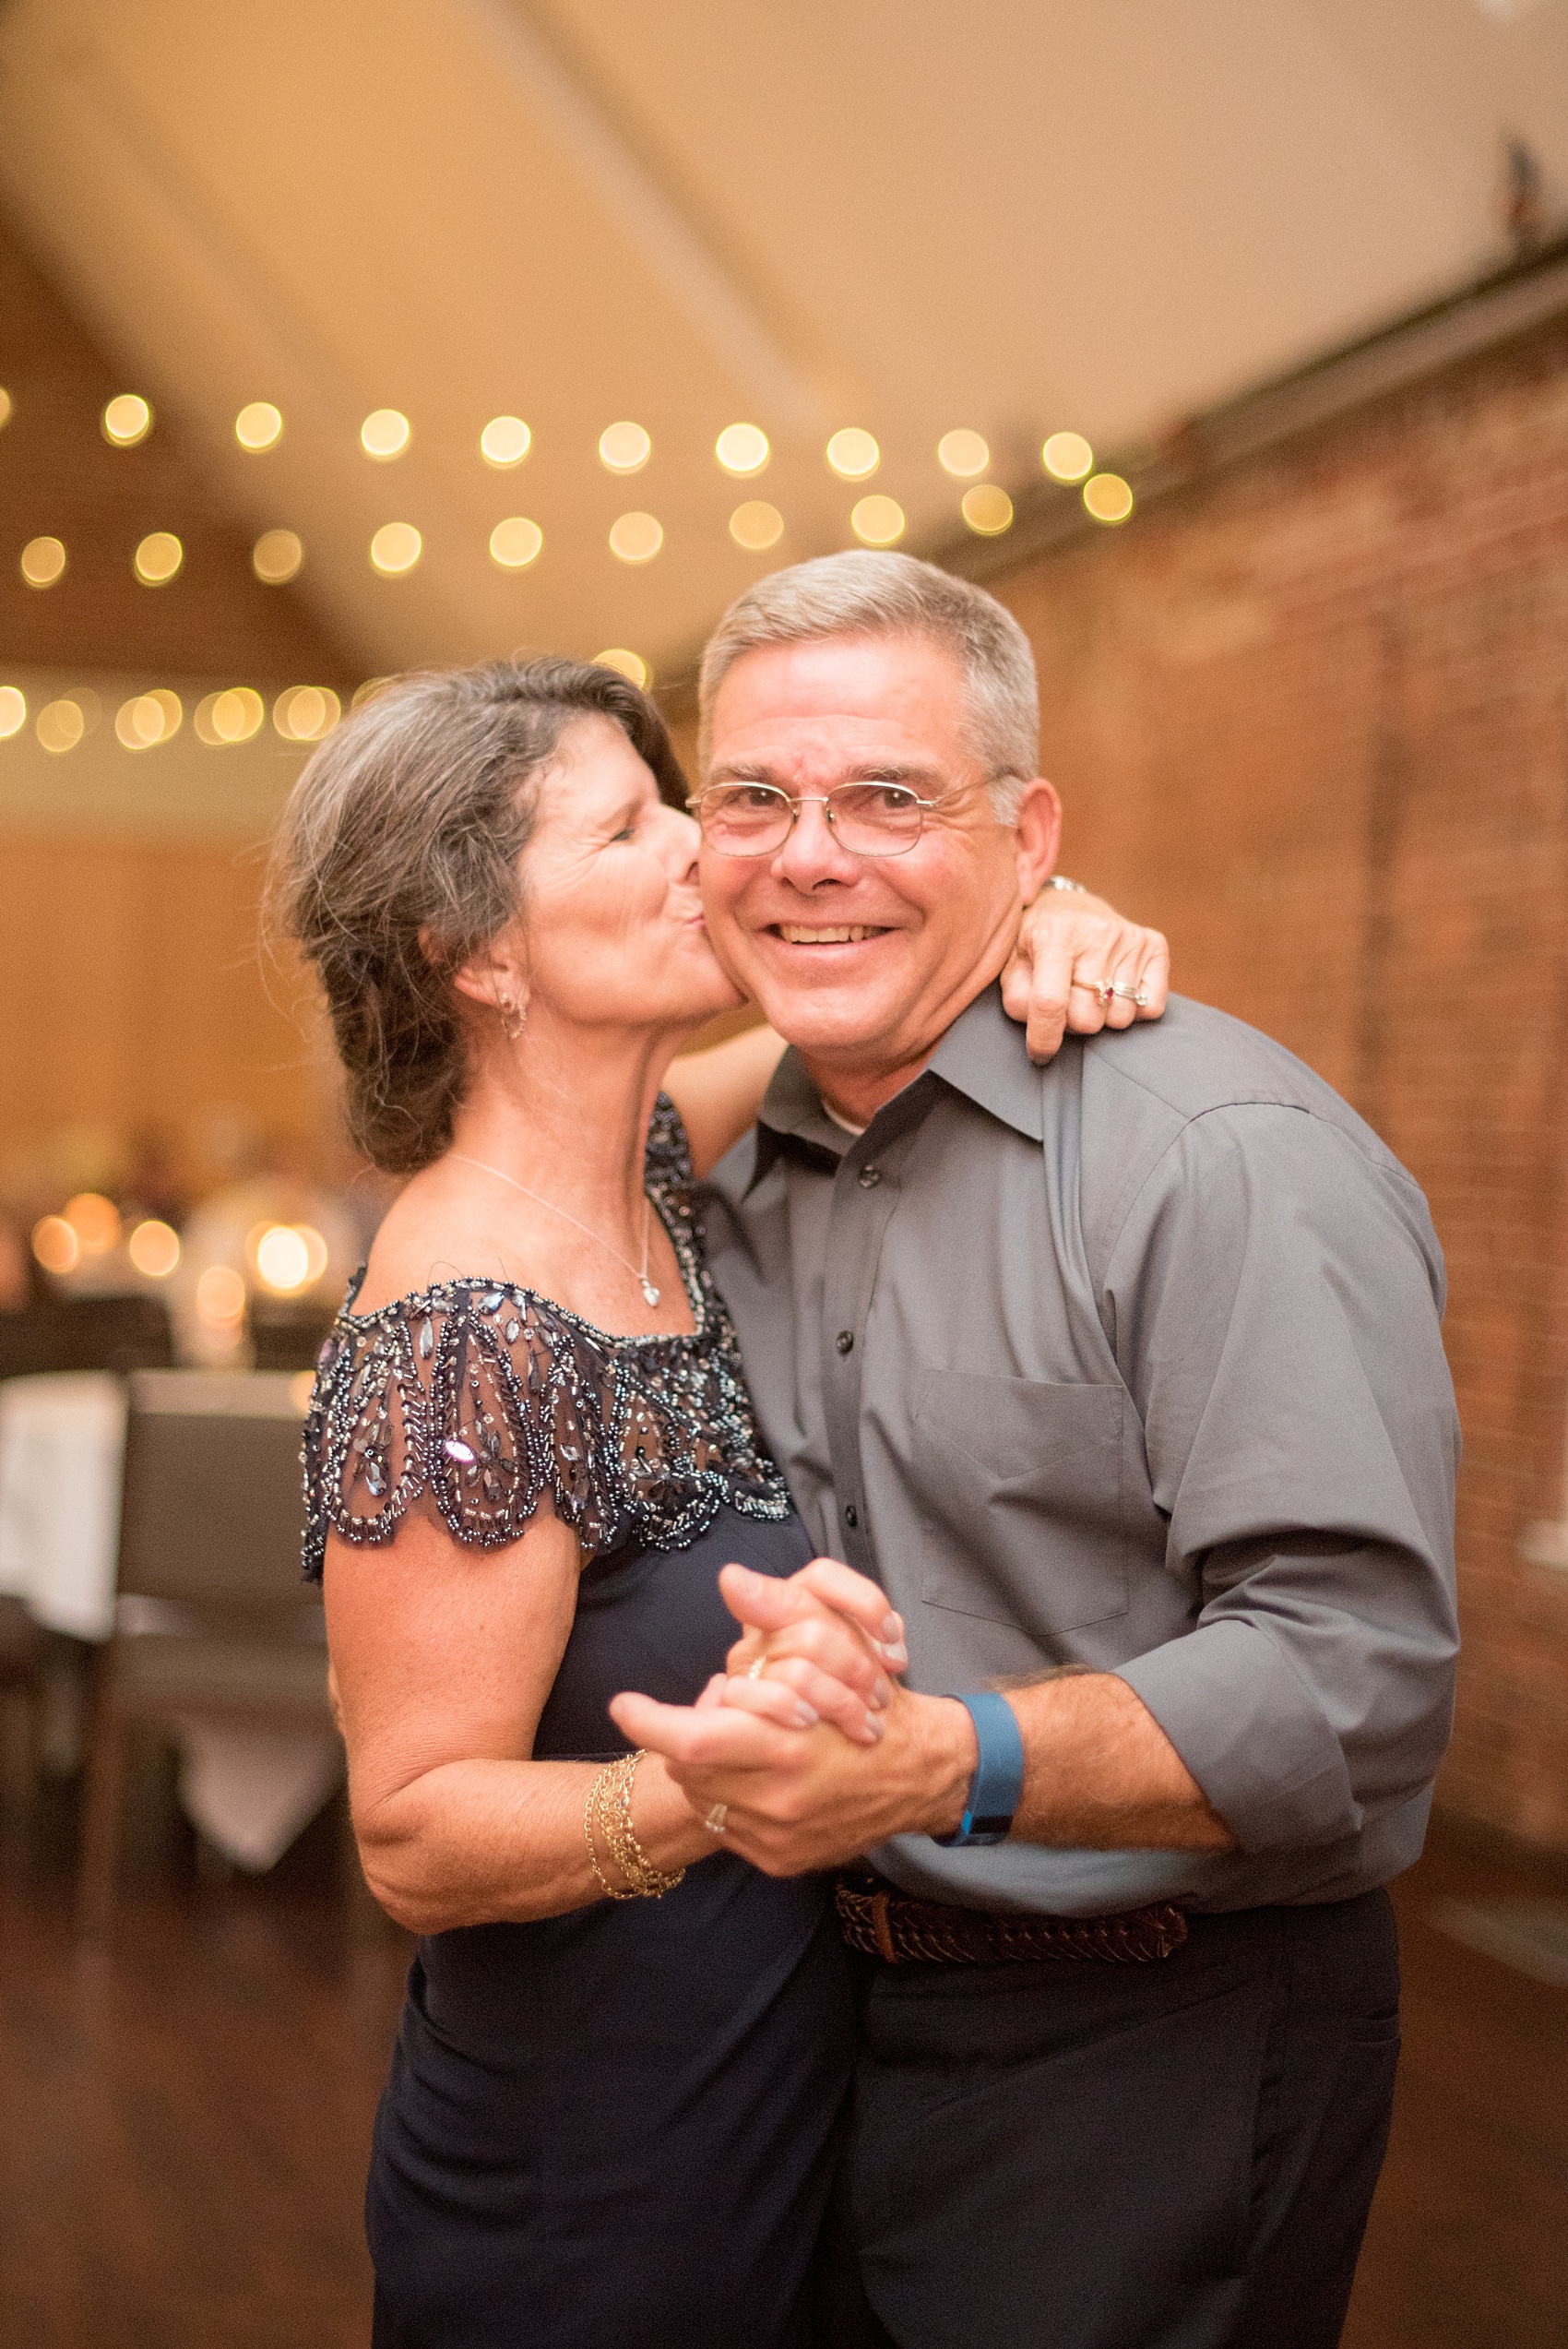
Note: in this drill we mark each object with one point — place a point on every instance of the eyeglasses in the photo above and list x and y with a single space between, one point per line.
755 819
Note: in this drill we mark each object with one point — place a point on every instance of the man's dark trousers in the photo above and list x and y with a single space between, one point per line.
1175 2155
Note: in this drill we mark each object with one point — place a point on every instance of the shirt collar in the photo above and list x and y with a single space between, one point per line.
793 1114
982 1056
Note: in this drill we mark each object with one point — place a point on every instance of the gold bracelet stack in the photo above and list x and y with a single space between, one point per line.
609 1810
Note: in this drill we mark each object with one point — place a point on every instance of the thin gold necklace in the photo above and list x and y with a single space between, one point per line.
650 1291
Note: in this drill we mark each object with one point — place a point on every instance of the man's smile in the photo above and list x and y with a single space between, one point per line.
833 933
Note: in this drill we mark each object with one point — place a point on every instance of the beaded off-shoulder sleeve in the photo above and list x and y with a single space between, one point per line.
490 1398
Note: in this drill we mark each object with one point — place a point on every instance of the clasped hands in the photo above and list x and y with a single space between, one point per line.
808 1740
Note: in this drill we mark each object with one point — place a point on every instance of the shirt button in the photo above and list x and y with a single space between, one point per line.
870 1177
845 1341
851 1515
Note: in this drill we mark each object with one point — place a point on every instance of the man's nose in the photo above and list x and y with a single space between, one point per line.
813 853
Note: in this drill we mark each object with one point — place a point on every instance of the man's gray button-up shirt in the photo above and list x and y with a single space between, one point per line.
1133 1361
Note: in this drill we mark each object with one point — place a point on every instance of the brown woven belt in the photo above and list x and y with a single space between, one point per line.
885 1923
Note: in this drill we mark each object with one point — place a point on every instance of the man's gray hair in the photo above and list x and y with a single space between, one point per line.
861 593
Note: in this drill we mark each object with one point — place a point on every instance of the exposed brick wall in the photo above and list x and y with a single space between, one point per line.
1311 716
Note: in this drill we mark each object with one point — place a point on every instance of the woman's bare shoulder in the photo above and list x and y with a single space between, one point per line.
430 1235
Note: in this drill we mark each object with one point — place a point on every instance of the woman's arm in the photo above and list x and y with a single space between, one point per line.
442 1658
719 1092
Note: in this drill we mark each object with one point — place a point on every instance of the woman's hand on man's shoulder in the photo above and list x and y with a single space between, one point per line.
1079 966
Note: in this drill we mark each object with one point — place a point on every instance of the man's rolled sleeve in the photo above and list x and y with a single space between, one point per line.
1251 1734
1273 1296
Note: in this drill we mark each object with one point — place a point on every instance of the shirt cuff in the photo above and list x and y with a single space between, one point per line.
1249 1731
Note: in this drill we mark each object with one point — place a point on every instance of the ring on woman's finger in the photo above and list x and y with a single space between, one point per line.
757 1666
714 1820
1104 992
1128 994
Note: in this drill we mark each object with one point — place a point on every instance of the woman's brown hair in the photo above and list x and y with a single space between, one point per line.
397 861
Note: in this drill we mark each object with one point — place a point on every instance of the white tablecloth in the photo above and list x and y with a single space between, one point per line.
62 1439
61 1443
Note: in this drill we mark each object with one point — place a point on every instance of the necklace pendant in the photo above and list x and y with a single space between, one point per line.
650 1291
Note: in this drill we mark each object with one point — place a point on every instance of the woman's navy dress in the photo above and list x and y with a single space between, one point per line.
618 2127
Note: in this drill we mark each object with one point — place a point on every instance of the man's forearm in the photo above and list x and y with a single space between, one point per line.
1100 1774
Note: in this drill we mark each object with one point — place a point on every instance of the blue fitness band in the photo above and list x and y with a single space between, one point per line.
998 1782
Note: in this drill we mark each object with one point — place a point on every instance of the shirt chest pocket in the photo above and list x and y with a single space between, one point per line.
1019 1485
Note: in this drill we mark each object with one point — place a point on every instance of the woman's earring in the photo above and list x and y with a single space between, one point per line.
514 1020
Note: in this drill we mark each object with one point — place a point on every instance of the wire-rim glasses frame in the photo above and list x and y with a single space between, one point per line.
864 808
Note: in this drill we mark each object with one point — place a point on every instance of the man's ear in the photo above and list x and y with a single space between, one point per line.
1037 829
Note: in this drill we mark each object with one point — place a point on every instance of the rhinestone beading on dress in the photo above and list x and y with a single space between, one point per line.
489 1396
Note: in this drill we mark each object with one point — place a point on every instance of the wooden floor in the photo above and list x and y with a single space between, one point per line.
1467 2248
185 2116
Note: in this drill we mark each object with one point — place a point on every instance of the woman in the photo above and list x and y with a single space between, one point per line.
613 2100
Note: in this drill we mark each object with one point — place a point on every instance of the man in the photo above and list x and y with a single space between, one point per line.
1122 1380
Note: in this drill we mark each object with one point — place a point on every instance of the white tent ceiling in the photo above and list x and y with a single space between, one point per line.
1020 216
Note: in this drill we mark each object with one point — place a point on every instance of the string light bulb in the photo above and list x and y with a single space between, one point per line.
635 537
61 725
963 454
1108 497
258 427
43 562
148 719
1067 457
506 441
987 509
395 549
630 664
306 713
756 525
516 542
879 521
623 449
278 556
854 455
742 449
127 419
386 434
233 715
158 558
